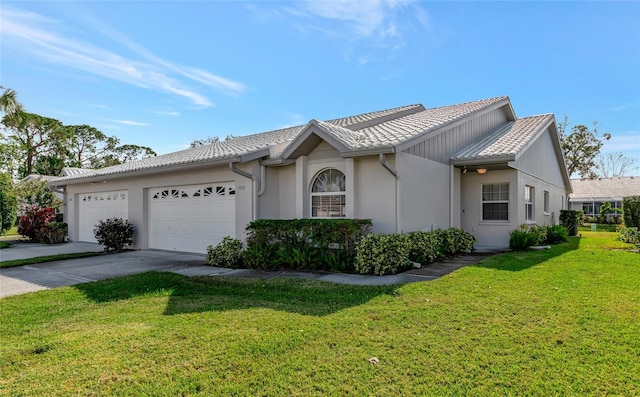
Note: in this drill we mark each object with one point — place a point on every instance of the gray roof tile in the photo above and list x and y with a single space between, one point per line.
605 188
507 140
385 128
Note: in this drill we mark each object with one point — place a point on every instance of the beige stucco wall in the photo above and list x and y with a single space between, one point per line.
425 193
495 233
137 201
540 160
375 193
490 233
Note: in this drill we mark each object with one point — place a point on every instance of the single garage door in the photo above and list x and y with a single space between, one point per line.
94 207
190 218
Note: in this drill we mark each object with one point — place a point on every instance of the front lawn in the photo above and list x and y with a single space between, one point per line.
562 321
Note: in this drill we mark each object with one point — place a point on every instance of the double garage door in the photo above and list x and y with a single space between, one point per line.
181 218
190 218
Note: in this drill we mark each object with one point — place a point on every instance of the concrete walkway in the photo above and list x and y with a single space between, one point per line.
29 278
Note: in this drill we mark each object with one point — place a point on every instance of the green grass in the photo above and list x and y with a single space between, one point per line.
4 244
48 258
562 321
13 231
601 227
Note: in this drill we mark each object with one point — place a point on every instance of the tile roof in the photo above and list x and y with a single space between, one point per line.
505 141
374 130
605 188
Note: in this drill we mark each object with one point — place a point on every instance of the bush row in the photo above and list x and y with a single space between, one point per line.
394 253
525 237
40 226
335 245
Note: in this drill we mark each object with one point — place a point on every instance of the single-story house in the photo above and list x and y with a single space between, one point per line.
473 165
589 194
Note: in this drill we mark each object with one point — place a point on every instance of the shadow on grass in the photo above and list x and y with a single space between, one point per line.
521 260
202 294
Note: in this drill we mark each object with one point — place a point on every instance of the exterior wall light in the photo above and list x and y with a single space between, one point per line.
482 171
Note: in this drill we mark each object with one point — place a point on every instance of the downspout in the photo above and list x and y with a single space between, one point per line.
253 187
263 185
393 172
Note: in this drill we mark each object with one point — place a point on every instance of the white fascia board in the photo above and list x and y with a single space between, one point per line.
146 171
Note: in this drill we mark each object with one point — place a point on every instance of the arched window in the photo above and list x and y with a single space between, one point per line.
328 195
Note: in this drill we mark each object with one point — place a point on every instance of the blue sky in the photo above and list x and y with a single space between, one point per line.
162 74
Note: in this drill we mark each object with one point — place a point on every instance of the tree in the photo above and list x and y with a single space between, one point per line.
9 101
209 141
34 192
42 145
8 202
123 154
88 145
614 165
34 135
581 147
204 142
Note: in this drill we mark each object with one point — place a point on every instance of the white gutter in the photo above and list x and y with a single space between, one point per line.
393 172
245 174
263 185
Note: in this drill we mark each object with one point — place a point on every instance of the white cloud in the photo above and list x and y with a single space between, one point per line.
172 113
131 122
381 22
43 39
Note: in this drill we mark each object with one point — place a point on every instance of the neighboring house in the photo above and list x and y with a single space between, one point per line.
588 195
474 165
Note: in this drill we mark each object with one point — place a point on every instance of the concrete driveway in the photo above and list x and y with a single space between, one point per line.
30 278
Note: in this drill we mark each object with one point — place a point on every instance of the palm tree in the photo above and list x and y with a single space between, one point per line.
9 102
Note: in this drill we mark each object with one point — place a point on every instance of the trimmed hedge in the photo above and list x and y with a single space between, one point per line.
394 253
631 211
340 245
321 244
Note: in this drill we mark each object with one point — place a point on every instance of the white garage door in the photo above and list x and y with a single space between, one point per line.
94 207
190 218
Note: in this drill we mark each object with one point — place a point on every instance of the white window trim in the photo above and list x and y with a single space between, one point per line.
342 193
529 203
508 202
546 198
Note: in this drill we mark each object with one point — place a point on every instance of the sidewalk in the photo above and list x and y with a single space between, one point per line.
23 279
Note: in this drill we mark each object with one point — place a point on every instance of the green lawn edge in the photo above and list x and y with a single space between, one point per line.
48 258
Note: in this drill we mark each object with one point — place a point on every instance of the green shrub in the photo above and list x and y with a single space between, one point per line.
8 202
305 257
571 219
424 247
521 239
382 254
556 234
540 233
114 233
303 243
228 253
631 211
629 235
453 241
53 232
33 220
260 256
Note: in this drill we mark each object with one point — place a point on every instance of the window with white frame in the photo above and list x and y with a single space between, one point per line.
528 203
495 202
546 201
328 195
